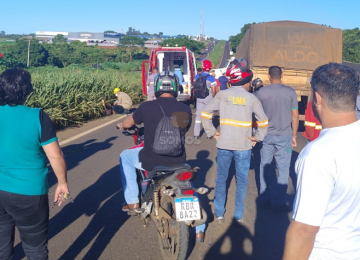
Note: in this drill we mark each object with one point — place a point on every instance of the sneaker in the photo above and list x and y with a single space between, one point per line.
238 222
210 137
220 220
130 207
197 137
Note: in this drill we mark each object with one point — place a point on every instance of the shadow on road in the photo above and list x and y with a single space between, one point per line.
205 164
106 219
76 153
270 227
238 236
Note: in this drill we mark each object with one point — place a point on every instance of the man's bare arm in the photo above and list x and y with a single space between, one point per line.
299 241
295 126
128 122
213 91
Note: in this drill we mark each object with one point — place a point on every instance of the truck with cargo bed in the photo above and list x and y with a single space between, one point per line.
297 47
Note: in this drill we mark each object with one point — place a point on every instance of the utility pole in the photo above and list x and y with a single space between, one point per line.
201 26
28 60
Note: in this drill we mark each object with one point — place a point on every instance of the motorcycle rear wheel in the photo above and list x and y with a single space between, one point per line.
173 247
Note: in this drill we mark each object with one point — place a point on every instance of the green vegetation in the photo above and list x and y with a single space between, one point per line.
73 95
5 42
61 54
192 45
351 45
217 53
236 39
132 41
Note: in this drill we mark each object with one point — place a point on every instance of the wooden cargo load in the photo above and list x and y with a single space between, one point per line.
297 47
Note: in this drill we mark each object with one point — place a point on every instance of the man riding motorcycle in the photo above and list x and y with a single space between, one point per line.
150 114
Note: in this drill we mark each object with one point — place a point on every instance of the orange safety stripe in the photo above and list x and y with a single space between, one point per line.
264 123
235 123
206 115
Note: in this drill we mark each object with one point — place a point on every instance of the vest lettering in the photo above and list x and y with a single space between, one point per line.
238 100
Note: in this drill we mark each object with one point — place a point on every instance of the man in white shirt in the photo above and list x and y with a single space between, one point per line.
326 217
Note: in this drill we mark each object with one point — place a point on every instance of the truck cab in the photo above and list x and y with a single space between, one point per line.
179 60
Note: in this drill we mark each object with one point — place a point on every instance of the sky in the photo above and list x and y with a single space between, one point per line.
221 18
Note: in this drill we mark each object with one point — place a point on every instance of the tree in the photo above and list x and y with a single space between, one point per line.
109 31
2 33
351 45
161 34
59 39
236 39
192 45
8 60
38 54
132 41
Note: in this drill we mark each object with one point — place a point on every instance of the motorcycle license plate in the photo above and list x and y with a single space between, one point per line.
187 208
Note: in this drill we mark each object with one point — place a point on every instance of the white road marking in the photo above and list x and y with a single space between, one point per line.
89 131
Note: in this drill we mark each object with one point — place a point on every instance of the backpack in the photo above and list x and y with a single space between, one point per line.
200 88
167 139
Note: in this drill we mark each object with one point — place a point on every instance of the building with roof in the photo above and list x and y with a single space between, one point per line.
88 37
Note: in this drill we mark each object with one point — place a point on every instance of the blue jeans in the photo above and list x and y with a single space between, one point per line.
129 161
281 148
242 165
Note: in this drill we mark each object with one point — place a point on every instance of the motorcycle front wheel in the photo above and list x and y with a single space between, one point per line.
174 235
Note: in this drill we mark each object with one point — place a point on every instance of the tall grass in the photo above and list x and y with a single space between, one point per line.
72 96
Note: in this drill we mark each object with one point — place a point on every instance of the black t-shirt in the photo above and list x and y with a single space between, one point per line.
48 132
150 114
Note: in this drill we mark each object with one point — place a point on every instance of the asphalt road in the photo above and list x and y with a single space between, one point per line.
94 227
226 55
205 53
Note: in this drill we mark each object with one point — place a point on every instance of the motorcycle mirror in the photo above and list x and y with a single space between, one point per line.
202 190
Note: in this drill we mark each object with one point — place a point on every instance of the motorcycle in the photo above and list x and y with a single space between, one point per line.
168 198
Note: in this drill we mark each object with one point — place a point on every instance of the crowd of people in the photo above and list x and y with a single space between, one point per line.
325 209
325 221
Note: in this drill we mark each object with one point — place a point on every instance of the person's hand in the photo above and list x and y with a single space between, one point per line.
216 136
60 191
119 126
294 142
253 140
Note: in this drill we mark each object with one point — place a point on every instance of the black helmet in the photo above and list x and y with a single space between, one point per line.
166 82
256 84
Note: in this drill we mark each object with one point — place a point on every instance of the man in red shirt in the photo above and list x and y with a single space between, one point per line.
312 125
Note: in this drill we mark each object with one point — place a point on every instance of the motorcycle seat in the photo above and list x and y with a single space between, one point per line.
168 169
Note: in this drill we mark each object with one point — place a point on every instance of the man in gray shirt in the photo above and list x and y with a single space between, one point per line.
281 107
